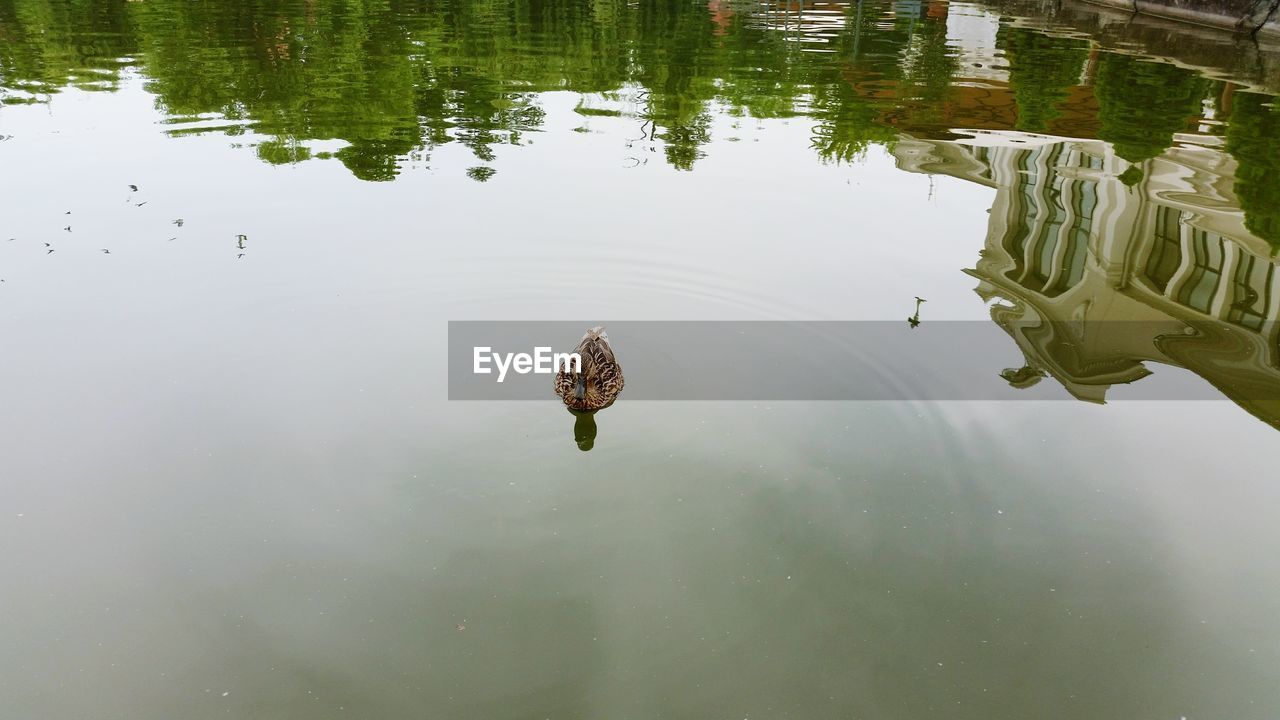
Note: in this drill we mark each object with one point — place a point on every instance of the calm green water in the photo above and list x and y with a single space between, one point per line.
231 484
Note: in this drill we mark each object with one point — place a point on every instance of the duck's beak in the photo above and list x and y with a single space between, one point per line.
579 388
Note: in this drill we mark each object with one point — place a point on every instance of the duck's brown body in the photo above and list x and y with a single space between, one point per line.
600 379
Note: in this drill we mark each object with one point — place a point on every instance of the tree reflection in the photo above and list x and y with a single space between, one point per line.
1042 70
389 80
1142 104
45 46
1251 138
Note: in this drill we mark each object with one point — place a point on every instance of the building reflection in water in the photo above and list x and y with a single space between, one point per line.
1096 266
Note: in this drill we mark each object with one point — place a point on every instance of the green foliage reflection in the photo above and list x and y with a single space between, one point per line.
387 80
1253 137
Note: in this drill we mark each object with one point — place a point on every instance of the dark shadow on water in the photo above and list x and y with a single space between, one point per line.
584 429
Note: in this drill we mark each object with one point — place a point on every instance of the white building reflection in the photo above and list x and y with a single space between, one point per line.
1104 266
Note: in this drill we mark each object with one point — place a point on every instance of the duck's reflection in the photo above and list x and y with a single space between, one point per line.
584 429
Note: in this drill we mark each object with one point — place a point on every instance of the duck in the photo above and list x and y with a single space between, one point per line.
596 384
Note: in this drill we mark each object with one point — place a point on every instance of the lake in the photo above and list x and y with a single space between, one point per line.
234 236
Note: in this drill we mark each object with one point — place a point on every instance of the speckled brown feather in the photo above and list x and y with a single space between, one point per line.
601 375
